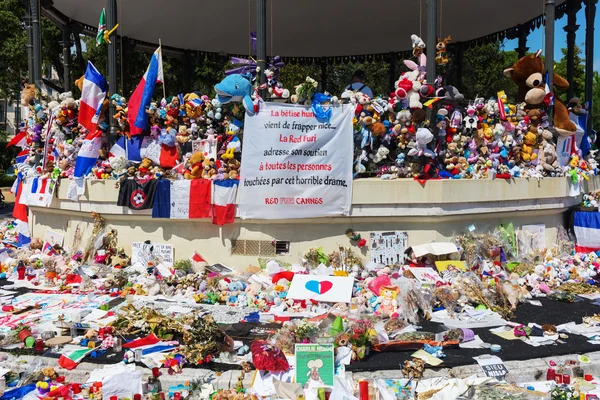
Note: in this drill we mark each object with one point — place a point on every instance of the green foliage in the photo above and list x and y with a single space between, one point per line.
13 47
483 69
7 181
184 265
560 68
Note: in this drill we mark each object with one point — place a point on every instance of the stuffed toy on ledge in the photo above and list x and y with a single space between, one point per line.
528 74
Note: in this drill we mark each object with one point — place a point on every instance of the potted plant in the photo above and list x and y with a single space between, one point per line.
23 332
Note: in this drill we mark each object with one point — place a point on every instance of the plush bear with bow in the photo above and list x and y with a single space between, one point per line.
528 74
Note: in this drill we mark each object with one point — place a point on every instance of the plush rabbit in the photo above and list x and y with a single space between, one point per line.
409 84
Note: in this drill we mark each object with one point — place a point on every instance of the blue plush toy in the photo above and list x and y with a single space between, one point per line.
167 137
236 87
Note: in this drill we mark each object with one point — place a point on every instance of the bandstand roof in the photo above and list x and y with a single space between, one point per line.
307 28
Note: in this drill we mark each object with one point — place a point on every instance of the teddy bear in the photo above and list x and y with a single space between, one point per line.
529 141
380 155
528 74
208 168
234 168
118 166
27 95
196 168
548 157
145 167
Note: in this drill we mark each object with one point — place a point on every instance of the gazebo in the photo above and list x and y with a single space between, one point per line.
310 32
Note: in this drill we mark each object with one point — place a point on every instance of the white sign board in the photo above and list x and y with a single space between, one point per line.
335 289
54 238
142 253
388 248
295 166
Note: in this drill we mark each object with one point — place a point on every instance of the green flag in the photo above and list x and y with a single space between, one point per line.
101 28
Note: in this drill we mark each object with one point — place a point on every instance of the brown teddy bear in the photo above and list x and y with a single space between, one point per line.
208 168
27 95
234 168
528 74
195 166
145 167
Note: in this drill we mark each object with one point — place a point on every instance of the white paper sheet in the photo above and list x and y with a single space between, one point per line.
122 385
435 248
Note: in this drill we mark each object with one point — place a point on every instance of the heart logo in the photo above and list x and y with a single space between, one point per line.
318 287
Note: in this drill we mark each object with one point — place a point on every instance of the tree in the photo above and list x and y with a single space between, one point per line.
13 47
483 69
578 83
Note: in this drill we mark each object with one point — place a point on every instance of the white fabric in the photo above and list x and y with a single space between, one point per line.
587 237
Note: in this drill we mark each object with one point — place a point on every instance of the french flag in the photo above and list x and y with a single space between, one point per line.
182 199
141 97
20 140
88 154
22 157
20 214
93 93
223 204
129 149
587 231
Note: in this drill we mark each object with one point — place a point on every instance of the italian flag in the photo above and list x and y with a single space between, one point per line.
101 28
71 359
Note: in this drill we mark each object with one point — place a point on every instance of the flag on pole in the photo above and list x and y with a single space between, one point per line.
101 28
88 154
20 214
93 93
22 157
141 97
20 140
223 204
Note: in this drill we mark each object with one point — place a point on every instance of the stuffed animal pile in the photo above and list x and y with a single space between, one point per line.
194 135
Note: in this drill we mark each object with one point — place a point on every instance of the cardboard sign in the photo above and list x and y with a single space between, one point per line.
492 366
142 253
54 238
335 289
314 365
388 248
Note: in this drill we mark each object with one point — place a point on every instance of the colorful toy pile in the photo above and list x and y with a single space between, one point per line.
195 136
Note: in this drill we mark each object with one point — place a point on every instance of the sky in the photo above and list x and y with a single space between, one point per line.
535 40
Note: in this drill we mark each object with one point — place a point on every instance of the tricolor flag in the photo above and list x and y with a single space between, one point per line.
88 154
49 250
223 203
587 231
93 93
22 157
70 359
38 192
141 97
182 199
20 140
20 214
101 28
139 147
